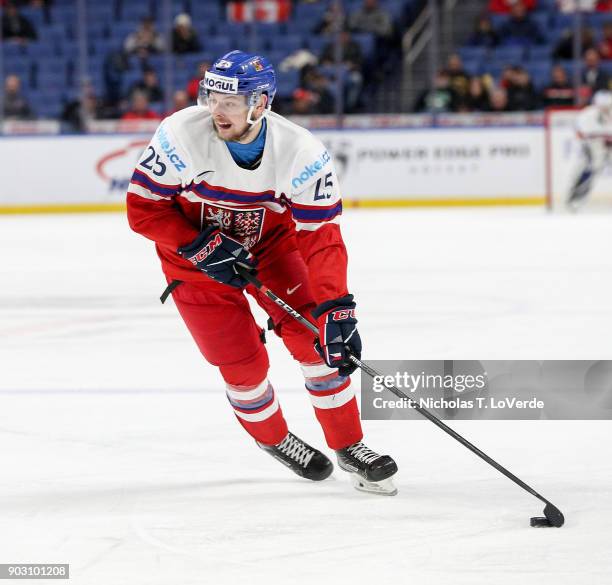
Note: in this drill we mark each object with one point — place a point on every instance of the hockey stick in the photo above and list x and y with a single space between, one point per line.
553 516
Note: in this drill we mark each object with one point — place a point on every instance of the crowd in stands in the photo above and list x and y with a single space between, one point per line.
517 59
126 72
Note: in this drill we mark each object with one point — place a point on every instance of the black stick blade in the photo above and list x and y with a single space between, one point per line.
554 515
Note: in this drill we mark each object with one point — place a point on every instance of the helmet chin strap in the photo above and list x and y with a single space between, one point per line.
250 120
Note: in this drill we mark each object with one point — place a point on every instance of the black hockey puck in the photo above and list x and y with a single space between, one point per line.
539 522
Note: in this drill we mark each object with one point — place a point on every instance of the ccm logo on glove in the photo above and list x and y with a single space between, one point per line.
208 249
343 314
216 254
338 335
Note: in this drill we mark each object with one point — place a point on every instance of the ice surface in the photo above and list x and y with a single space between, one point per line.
120 456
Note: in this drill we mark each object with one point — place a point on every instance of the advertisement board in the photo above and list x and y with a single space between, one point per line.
412 166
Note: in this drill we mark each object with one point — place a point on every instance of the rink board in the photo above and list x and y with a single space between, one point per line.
377 168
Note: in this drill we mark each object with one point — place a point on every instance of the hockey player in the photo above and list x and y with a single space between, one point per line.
226 183
594 130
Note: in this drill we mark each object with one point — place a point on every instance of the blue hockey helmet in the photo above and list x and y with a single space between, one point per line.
240 73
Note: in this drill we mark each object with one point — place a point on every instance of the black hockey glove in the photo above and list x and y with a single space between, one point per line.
216 254
338 335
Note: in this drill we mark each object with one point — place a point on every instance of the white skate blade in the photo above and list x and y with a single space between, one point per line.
386 487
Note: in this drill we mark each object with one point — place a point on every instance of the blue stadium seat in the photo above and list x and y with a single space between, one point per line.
276 57
41 49
206 10
540 73
56 32
395 7
20 66
562 20
134 12
472 67
13 50
287 44
217 45
366 42
52 65
312 12
540 52
36 16
48 81
301 27
508 55
542 19
473 53
232 30
193 60
101 12
120 30
63 14
48 108
317 43
598 19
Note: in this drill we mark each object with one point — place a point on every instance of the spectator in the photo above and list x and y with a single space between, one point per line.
605 46
505 6
140 108
180 101
317 84
78 112
371 18
522 96
145 40
484 35
149 85
332 20
351 55
498 100
559 92
193 86
520 29
592 76
478 96
440 98
16 106
303 102
565 47
459 79
352 59
17 27
604 6
184 36
115 65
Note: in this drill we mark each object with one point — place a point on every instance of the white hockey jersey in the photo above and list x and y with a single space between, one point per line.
187 179
592 124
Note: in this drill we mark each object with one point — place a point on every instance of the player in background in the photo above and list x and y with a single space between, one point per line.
226 183
594 130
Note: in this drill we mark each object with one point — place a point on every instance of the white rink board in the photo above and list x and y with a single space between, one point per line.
440 163
466 164
565 161
68 169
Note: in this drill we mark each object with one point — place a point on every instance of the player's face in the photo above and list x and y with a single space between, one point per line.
229 114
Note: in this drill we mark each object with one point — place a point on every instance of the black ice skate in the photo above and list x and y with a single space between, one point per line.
370 472
301 458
